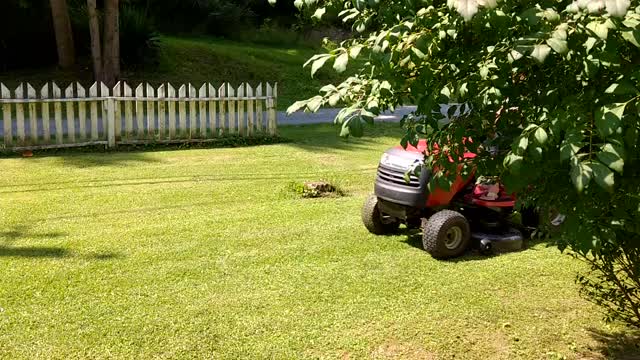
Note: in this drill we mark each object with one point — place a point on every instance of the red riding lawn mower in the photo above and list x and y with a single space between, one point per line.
473 212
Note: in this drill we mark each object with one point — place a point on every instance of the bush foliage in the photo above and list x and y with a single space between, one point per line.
552 84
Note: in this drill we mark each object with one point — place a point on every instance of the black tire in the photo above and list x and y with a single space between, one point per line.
446 234
373 219
547 220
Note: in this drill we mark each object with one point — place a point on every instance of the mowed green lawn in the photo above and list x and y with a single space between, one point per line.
205 254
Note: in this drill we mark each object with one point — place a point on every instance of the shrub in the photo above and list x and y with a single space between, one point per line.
554 86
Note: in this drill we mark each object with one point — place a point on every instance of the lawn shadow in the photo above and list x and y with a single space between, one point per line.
32 252
125 155
90 160
414 239
21 232
617 345
104 256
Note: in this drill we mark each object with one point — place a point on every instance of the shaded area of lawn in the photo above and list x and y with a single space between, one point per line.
205 253
199 60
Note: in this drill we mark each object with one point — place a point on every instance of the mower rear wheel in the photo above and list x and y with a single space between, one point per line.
446 234
375 221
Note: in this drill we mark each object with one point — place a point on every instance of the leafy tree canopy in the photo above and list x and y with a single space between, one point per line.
553 85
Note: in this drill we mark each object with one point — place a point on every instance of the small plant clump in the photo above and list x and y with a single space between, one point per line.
315 189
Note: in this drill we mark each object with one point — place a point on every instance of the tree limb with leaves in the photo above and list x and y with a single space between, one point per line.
552 84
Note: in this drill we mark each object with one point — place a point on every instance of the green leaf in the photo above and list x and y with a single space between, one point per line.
512 162
540 52
514 56
523 143
536 152
580 175
466 8
340 64
344 131
617 8
571 145
484 72
343 114
612 156
602 175
418 53
318 13
608 118
356 126
318 63
541 136
359 4
334 99
632 36
599 29
551 15
354 51
559 46
590 43
625 87
296 106
463 90
314 103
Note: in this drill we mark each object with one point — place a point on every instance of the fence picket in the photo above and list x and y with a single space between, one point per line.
33 115
182 110
139 112
213 126
271 110
71 119
274 115
128 111
5 93
82 113
241 119
57 113
46 131
259 113
109 122
161 112
117 92
104 93
192 111
222 93
250 109
93 108
151 112
19 93
202 112
232 109
171 93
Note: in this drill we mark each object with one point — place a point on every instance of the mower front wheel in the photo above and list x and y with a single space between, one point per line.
446 234
375 221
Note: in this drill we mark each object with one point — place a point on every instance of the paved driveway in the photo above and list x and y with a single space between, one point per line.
327 116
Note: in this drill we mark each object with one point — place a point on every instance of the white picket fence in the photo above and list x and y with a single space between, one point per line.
123 115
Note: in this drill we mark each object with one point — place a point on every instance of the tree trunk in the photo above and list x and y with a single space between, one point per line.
111 48
63 33
96 46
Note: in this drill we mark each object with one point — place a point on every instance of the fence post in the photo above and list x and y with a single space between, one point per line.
111 122
271 110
